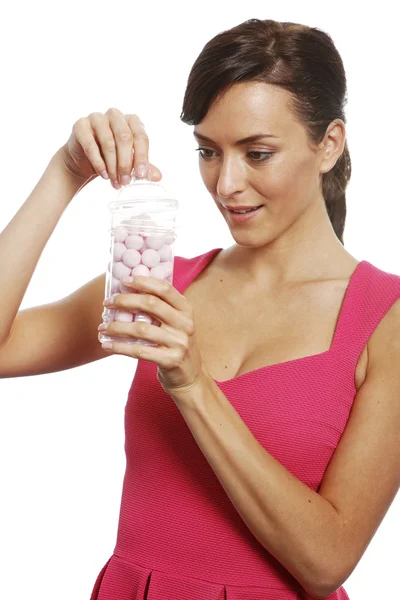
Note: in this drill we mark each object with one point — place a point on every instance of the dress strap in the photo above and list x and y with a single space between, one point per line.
186 269
370 294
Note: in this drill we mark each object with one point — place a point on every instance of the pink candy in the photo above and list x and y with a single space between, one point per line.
120 270
134 241
155 241
131 258
165 253
158 272
135 252
119 249
141 316
121 234
150 258
141 270
123 317
115 285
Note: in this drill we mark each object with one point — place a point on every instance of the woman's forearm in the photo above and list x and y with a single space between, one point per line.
295 524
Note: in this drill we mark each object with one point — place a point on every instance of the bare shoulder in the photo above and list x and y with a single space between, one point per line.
384 343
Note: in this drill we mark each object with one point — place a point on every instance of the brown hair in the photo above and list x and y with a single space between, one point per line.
301 59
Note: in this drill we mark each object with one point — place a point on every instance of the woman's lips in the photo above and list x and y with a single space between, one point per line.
242 217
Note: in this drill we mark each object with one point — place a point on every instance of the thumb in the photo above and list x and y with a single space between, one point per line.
153 173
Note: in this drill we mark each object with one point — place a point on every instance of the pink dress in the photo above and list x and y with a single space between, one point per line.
179 535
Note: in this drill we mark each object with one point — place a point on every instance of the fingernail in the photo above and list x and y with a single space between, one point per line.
141 170
109 300
117 185
125 179
104 174
107 345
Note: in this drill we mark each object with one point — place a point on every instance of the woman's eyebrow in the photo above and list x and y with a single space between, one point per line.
251 138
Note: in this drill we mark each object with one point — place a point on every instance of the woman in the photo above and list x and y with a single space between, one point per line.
261 431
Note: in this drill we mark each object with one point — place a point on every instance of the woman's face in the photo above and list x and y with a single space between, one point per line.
281 173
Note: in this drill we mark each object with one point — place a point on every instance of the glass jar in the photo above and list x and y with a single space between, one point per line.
143 233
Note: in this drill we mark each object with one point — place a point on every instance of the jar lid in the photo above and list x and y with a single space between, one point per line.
141 190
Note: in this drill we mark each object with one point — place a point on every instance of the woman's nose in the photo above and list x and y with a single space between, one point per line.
230 180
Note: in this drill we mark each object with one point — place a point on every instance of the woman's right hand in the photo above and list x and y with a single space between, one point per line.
110 145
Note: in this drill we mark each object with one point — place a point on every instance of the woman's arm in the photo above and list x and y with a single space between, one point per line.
289 519
318 537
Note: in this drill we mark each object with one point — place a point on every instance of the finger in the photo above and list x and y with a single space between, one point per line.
159 356
154 173
102 131
140 145
154 306
85 137
161 288
149 304
143 331
123 140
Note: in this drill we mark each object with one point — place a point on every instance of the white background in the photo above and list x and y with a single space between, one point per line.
61 435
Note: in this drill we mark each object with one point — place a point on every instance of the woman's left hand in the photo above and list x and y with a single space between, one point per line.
180 366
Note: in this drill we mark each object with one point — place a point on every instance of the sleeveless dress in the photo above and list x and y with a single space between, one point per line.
179 536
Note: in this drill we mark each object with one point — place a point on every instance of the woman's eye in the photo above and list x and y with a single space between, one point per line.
265 155
201 151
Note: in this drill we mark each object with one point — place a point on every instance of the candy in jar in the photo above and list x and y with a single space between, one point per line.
143 232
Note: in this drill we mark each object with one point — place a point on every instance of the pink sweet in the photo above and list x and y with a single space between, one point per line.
165 253
155 241
169 268
159 271
120 270
120 234
123 317
150 258
119 249
115 285
141 270
140 316
131 258
134 241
